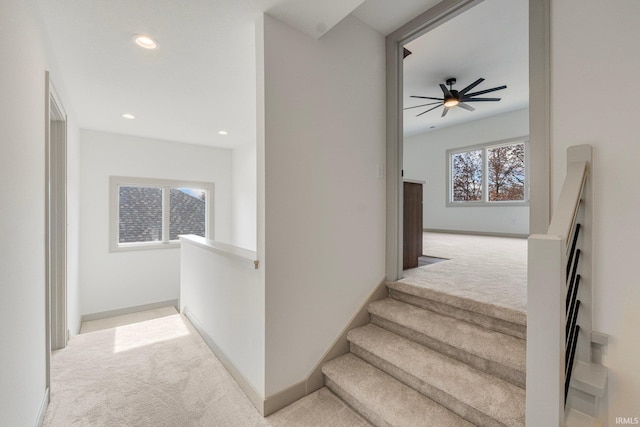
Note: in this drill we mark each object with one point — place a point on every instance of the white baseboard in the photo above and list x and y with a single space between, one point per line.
339 347
477 233
129 310
43 409
256 398
314 381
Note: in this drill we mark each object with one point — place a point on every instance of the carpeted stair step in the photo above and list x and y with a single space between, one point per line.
480 398
494 317
383 400
493 352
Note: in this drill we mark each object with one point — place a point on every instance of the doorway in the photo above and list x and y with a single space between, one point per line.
56 222
538 118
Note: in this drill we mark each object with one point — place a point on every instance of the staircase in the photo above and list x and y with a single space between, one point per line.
567 380
431 359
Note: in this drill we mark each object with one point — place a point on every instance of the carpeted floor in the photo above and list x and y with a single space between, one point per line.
153 369
159 372
490 270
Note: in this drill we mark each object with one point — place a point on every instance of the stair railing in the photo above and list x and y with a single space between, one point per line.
558 308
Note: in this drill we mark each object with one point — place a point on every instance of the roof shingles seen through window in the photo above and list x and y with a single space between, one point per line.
140 214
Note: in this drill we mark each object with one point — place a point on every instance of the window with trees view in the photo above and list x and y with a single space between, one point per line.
488 174
152 213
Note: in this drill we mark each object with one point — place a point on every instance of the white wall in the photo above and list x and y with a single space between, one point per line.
424 159
114 280
226 297
595 52
324 233
244 196
25 57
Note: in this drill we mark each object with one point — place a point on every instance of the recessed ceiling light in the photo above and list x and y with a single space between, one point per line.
128 116
223 132
145 41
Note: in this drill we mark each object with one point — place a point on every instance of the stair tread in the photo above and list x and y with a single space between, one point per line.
476 340
491 310
394 402
590 378
489 395
579 419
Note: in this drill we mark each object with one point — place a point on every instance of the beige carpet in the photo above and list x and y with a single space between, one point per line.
159 372
490 270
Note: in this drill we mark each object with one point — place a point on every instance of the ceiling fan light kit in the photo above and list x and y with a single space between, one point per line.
453 98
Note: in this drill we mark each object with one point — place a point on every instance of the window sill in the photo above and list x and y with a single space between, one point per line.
485 204
126 247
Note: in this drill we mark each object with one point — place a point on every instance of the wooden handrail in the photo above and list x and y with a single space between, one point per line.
552 291
564 216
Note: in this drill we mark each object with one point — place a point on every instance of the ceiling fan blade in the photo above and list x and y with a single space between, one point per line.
486 91
480 99
446 110
427 97
471 86
465 106
422 105
430 109
446 92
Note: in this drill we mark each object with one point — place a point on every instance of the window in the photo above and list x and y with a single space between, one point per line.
487 175
152 213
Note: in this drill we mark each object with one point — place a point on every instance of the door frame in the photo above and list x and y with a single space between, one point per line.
55 223
539 118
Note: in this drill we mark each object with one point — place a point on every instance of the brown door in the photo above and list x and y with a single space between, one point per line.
412 224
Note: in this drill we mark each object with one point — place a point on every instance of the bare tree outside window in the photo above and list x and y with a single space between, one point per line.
467 176
505 173
493 173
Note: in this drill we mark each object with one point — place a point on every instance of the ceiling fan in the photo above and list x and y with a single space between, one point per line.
453 98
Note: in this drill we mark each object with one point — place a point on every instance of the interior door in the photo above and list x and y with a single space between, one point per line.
412 212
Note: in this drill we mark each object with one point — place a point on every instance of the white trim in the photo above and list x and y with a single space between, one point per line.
244 256
55 239
485 176
116 181
256 398
42 412
47 243
435 16
128 310
539 117
476 233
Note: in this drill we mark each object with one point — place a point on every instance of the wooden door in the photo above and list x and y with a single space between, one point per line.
412 248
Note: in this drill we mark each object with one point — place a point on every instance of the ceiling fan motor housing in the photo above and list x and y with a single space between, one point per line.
454 98
451 101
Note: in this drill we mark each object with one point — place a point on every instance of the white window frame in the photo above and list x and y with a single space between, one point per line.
115 182
485 176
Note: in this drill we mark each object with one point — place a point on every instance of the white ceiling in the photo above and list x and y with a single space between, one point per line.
202 79
488 41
